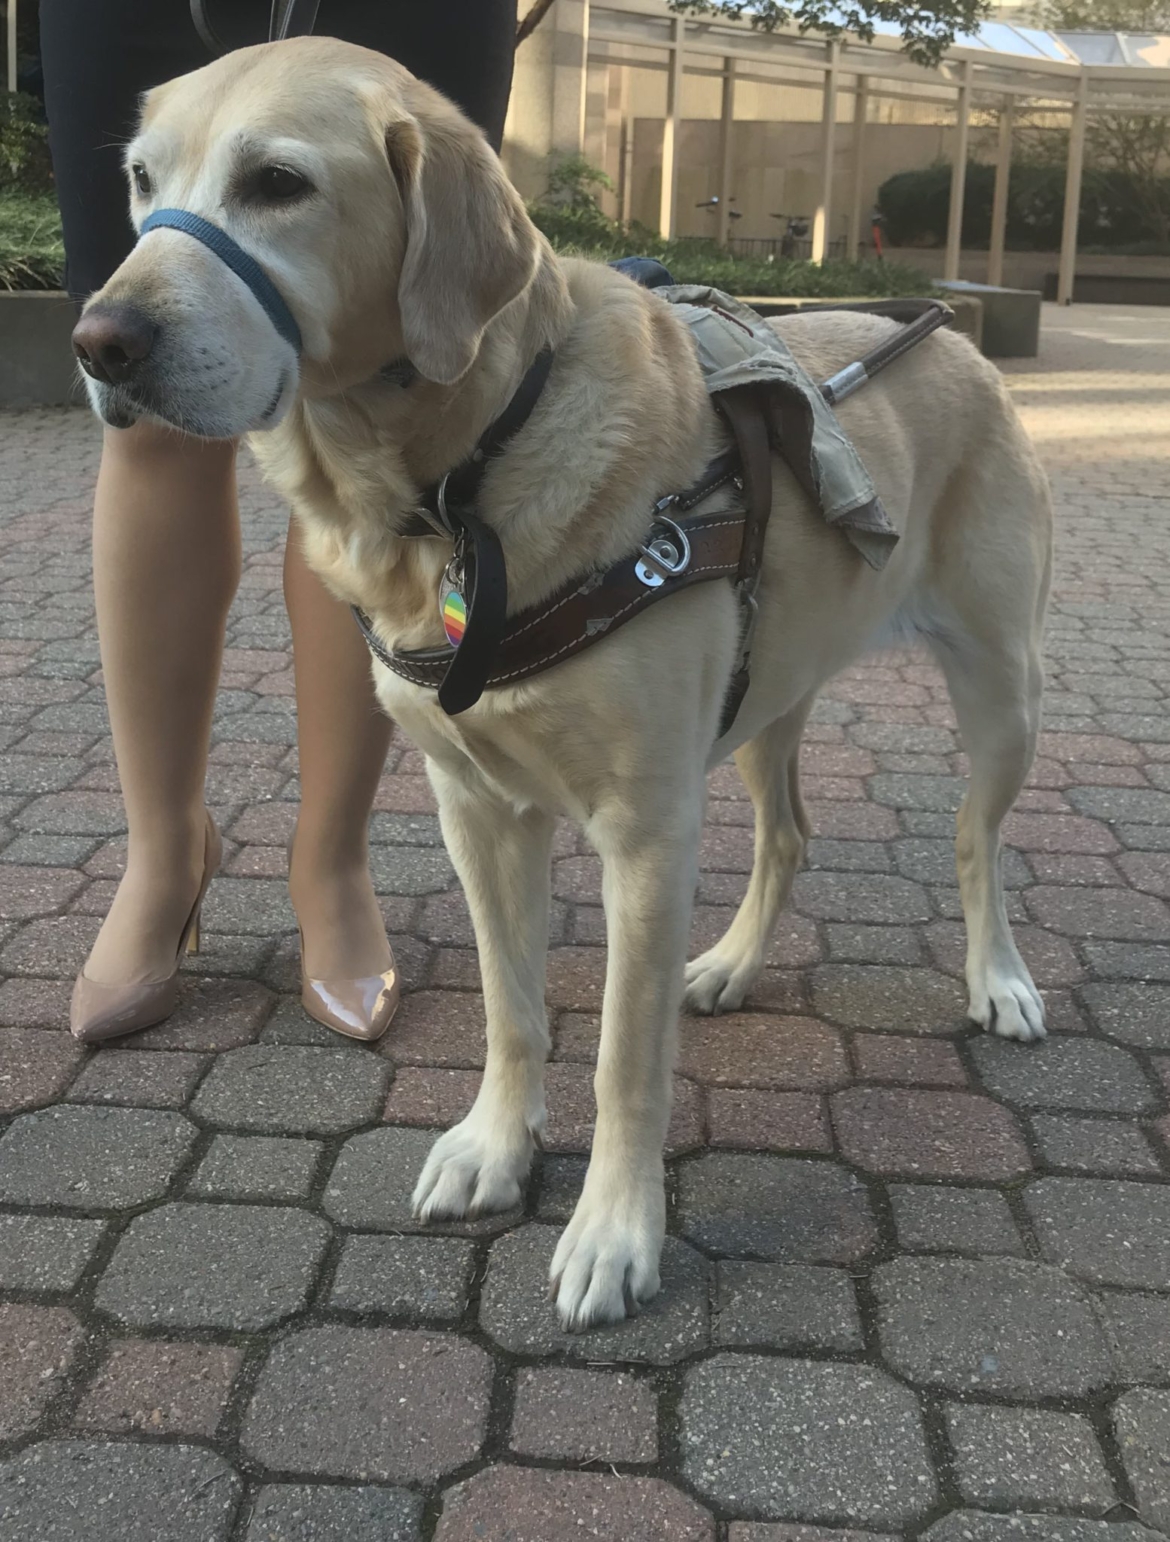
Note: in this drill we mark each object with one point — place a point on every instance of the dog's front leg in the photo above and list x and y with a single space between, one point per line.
607 1259
503 860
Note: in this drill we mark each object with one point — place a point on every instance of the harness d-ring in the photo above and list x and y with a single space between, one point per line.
663 556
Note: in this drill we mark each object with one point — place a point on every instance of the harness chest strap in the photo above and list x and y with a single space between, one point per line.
580 614
723 545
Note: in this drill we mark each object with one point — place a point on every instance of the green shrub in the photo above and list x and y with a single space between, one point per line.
574 182
32 255
24 144
576 228
585 232
573 220
916 204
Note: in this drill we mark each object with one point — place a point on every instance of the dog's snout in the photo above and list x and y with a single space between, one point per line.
112 340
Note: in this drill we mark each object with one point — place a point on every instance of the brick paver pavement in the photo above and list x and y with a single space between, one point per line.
917 1281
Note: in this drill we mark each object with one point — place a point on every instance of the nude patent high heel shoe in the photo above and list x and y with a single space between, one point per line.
359 1008
100 1011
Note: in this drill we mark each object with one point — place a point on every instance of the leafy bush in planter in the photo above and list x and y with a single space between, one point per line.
32 255
24 144
916 203
694 260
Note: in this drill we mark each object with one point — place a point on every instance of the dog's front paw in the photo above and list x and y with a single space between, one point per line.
717 983
1005 1001
473 1170
606 1263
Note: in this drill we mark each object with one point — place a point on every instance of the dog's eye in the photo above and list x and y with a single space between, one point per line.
141 180
280 183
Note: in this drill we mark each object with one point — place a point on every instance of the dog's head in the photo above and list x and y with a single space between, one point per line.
377 210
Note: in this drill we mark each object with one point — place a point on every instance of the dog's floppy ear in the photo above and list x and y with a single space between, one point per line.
470 246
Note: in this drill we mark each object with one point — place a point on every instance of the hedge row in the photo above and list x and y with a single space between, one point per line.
32 256
915 205
586 232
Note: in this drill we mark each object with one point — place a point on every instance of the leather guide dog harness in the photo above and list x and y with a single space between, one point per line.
681 547
768 403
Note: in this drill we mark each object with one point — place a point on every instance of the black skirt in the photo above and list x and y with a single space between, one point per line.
99 56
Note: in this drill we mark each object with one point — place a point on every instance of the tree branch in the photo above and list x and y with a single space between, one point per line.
928 27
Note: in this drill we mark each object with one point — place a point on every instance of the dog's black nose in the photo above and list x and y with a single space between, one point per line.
111 341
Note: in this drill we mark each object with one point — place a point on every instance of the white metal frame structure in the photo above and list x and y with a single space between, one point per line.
10 46
644 34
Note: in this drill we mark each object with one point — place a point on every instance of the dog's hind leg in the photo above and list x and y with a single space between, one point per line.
719 979
503 859
993 671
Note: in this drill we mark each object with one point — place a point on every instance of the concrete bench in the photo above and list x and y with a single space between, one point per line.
1115 288
1011 317
37 367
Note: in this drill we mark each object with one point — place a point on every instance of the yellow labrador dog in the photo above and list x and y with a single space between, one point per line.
390 231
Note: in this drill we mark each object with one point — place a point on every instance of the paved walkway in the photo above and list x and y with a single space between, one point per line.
916 1278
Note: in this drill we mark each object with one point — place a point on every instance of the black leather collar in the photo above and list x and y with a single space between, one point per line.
458 489
399 372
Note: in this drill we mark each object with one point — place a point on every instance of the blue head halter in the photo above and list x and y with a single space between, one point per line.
230 252
289 18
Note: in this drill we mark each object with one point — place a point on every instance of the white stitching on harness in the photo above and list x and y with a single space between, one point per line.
707 524
549 658
407 672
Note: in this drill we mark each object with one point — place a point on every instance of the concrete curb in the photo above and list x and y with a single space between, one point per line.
37 367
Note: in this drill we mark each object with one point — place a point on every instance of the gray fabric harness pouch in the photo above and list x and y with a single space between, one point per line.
735 347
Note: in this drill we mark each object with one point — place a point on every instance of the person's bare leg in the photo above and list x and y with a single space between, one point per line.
343 737
166 561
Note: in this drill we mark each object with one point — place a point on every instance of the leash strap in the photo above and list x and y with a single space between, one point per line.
207 33
246 268
292 18
288 18
747 416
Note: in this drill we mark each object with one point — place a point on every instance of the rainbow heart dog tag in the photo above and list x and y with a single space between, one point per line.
454 613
